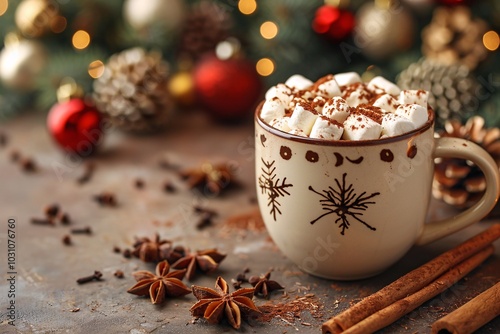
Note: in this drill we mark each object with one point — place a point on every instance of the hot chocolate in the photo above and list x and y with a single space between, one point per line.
342 107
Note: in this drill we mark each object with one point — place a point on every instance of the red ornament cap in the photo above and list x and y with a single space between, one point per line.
76 126
334 23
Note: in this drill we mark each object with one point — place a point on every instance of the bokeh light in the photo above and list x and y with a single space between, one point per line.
265 67
269 30
247 7
4 5
81 39
491 40
96 69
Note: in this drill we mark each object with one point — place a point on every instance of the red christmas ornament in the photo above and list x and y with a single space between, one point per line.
333 23
228 89
76 126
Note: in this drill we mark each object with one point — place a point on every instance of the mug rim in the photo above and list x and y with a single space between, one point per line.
323 142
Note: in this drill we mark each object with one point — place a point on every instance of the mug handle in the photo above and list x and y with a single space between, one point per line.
460 148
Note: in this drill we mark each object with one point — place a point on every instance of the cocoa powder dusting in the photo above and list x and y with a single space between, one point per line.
292 310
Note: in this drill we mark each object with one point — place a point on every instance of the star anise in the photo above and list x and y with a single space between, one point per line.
210 178
205 261
155 250
213 305
160 285
263 285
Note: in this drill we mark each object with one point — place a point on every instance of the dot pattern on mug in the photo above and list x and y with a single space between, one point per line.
386 155
412 151
312 156
286 152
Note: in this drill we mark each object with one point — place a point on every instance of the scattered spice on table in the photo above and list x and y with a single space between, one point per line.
205 261
96 276
292 310
264 285
169 187
28 165
160 285
82 230
3 139
216 304
51 210
119 274
106 198
209 178
42 221
66 239
88 172
156 249
139 183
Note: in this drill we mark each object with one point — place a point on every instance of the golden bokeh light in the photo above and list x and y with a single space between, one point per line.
247 7
269 30
491 40
265 67
96 69
58 24
4 5
81 39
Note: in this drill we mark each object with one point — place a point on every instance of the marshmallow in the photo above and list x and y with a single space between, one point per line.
303 118
387 103
393 125
328 88
336 109
348 78
356 94
297 132
360 127
280 124
415 113
298 82
380 85
419 97
318 103
272 109
324 128
280 91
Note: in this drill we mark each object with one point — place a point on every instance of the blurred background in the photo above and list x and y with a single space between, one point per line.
145 61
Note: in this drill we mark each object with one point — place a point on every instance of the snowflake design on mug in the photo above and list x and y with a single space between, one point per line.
272 187
345 203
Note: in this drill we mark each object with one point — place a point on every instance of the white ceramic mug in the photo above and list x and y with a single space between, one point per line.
350 209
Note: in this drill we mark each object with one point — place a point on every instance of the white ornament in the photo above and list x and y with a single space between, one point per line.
21 62
143 15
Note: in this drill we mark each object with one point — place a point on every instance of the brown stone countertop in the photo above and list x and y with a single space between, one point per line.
48 299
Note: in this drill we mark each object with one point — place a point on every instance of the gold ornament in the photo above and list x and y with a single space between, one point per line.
383 30
21 61
34 17
181 88
459 182
454 37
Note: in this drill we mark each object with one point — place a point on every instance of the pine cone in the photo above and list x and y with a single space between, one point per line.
454 37
460 182
133 92
207 24
451 88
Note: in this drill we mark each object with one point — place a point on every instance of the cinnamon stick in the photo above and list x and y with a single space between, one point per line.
472 315
404 306
411 282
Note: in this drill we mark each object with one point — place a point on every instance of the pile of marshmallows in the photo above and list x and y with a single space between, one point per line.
342 107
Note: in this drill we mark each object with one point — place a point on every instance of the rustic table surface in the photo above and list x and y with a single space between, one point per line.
48 299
